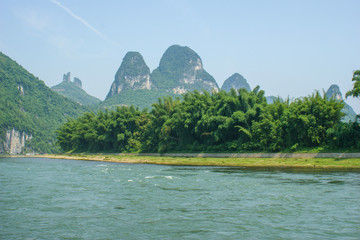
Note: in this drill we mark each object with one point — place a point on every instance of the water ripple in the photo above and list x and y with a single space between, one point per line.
64 199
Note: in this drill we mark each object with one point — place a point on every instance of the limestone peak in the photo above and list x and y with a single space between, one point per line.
334 91
235 81
133 74
181 70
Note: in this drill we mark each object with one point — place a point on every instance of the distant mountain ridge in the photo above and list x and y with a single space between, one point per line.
30 112
180 70
73 90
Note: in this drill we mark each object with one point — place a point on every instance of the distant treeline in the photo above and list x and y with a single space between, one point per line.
235 121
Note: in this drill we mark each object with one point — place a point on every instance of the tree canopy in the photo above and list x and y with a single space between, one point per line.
28 105
355 92
234 121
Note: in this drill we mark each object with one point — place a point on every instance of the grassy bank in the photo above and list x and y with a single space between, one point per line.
318 163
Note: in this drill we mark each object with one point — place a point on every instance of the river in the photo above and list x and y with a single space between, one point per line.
44 198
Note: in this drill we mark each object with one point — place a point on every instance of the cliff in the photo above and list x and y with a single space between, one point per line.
30 112
180 70
133 74
14 142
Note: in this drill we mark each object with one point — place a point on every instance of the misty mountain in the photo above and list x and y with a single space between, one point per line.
73 90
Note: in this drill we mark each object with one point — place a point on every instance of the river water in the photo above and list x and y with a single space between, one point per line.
67 199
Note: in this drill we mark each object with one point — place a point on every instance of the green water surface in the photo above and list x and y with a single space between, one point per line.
65 199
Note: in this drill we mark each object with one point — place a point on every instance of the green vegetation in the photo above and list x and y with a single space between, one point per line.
355 92
350 114
132 74
303 163
141 98
132 65
28 105
236 81
177 62
334 92
238 121
120 130
75 93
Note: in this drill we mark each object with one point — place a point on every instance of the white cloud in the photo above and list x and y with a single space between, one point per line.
84 22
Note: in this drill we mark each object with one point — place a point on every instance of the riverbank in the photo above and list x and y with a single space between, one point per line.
275 162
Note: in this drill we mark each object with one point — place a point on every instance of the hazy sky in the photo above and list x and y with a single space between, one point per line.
289 48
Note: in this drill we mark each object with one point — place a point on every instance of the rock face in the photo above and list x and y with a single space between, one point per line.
133 74
30 110
334 92
236 81
77 82
181 70
67 77
14 142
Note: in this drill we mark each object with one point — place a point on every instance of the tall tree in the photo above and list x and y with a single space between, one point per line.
355 92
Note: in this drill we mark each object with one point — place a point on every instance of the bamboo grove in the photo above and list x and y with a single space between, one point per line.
235 121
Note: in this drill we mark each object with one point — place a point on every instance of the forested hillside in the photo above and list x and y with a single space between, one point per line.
27 105
195 121
75 93
232 121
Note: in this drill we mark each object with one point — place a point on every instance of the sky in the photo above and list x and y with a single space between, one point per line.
289 48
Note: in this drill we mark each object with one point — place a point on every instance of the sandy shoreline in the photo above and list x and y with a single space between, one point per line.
348 164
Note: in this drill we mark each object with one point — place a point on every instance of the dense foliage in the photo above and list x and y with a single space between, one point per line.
221 122
28 105
120 131
355 92
141 98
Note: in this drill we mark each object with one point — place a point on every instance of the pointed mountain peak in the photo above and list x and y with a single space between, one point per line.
235 81
73 90
67 77
334 92
180 57
133 73
181 70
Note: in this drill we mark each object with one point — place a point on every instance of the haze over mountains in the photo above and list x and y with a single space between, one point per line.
31 112
73 90
334 92
236 81
180 71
